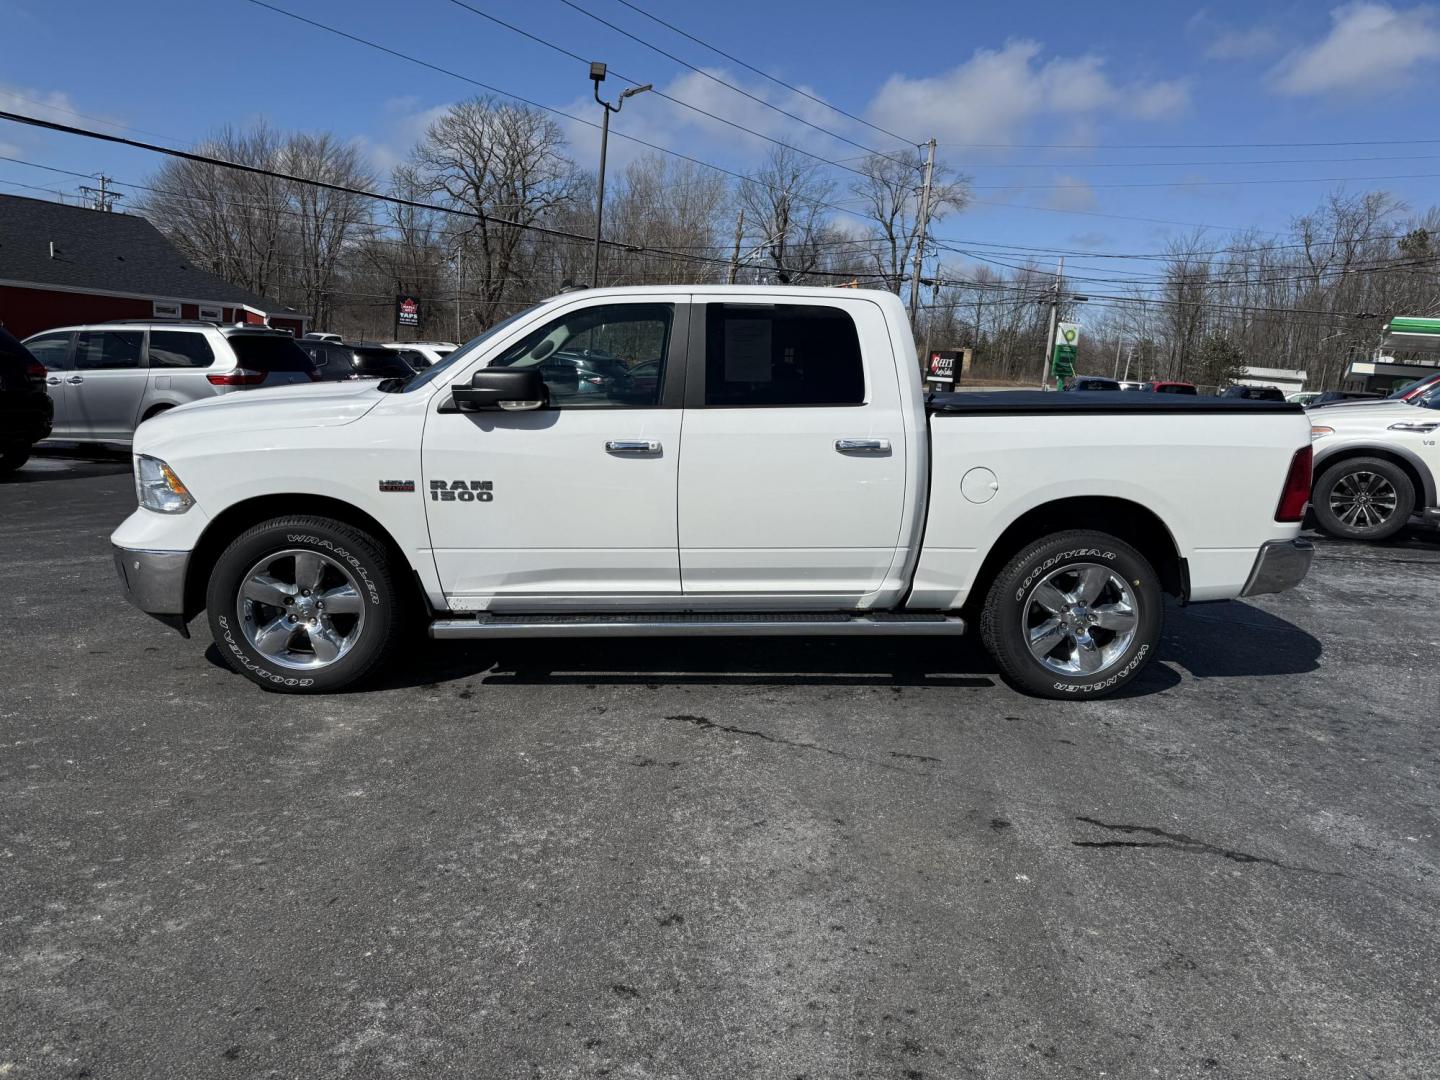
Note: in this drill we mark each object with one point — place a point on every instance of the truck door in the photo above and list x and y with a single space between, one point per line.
570 506
793 457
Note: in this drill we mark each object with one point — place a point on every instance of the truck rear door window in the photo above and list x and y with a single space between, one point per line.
781 354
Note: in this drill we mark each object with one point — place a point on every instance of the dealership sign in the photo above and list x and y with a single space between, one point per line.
407 310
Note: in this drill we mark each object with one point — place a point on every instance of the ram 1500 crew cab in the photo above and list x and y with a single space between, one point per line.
705 460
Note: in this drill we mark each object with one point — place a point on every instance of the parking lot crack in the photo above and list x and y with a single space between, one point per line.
706 724
1177 841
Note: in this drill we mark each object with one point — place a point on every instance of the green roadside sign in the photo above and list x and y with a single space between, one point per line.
1062 357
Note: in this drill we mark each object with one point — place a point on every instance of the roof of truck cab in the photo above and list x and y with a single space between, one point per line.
777 291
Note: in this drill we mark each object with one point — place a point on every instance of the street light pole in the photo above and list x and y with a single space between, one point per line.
597 76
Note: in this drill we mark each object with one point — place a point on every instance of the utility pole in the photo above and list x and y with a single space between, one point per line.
459 287
102 197
1054 321
1118 343
735 256
922 228
1129 355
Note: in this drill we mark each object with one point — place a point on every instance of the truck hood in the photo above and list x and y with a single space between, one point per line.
330 404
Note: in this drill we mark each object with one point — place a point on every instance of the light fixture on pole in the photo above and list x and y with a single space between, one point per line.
597 76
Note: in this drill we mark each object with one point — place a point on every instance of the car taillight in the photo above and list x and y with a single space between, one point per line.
1296 493
314 374
238 377
34 370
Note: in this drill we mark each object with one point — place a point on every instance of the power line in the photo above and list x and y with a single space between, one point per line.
1190 146
1207 183
685 104
765 75
721 82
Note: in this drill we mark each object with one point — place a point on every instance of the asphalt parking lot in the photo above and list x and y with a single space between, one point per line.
703 859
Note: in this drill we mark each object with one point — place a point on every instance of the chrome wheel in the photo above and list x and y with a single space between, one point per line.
1080 619
301 609
1363 499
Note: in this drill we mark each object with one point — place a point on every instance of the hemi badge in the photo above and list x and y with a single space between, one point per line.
397 485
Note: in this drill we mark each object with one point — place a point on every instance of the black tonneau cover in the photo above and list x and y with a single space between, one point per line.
1091 403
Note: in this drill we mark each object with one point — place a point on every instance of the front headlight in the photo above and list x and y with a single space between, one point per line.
1319 431
158 488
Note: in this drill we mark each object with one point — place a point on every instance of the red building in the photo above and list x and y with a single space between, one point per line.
66 265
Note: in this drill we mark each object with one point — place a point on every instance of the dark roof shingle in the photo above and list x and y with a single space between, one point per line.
110 251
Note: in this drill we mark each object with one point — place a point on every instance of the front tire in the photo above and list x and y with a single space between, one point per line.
1073 614
304 605
1364 498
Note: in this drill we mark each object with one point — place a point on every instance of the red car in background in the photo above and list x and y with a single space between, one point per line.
1411 391
1174 388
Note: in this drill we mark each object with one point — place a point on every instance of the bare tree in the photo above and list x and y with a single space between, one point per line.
889 194
784 213
506 164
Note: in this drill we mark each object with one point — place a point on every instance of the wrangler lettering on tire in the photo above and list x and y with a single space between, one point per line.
303 604
1074 614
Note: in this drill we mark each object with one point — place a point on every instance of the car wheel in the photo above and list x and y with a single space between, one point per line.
12 457
1363 499
303 604
1074 614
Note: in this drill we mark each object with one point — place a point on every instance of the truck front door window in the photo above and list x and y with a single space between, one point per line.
611 355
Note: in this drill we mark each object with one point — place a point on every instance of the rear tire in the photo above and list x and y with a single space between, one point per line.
1364 498
304 605
12 457
1073 614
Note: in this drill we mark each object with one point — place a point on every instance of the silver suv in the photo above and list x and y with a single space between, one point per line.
106 378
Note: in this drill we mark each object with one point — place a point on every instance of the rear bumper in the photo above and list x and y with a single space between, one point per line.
154 581
27 425
1280 565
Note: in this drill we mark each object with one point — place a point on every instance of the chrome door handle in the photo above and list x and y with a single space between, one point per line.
73 379
632 447
862 446
53 380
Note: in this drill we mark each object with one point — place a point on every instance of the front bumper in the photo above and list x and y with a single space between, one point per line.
154 581
1280 565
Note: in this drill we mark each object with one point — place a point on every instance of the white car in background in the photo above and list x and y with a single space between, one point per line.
422 354
1376 466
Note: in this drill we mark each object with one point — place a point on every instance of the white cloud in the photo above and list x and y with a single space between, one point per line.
44 104
990 96
1369 47
1243 44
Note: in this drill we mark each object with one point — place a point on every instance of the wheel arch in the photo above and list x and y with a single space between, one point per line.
235 519
1401 458
1137 525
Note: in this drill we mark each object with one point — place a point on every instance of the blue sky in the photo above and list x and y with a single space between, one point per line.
1144 87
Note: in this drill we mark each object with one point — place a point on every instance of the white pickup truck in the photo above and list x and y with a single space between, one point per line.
705 460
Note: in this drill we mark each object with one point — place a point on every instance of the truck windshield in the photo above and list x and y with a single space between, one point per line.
419 379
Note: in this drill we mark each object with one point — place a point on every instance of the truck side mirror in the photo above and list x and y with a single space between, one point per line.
507 389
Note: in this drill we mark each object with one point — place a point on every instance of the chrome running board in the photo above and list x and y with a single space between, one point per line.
781 624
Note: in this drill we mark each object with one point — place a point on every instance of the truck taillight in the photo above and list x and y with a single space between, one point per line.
1296 493
238 377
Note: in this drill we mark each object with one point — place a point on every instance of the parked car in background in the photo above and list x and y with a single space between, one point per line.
1133 384
1091 382
1412 390
1253 393
26 411
584 372
1376 465
339 360
1304 397
1174 387
1337 397
421 354
106 379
